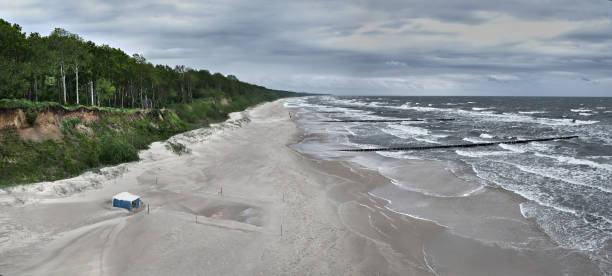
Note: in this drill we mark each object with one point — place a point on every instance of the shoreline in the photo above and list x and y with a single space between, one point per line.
281 212
585 263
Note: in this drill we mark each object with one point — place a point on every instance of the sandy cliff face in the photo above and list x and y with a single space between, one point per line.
47 123
12 118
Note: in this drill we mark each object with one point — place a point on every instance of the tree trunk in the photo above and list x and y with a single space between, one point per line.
76 68
152 96
35 89
190 89
183 93
92 92
29 95
63 82
132 93
43 85
59 89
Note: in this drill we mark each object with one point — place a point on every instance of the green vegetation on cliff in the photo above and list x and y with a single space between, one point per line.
115 137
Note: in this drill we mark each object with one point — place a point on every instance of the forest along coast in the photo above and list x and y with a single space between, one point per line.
68 105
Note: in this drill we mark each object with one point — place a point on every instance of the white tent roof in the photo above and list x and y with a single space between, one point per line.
125 196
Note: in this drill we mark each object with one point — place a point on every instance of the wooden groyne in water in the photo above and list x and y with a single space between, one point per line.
373 121
464 145
385 121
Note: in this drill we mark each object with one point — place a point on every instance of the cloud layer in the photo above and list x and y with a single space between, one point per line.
393 47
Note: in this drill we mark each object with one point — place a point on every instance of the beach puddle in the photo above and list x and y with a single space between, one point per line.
215 209
241 213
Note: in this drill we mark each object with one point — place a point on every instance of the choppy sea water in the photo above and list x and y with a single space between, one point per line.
567 183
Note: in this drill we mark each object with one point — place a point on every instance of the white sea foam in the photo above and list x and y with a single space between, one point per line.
486 136
474 191
607 157
432 193
426 140
576 161
481 108
397 155
504 117
532 112
474 140
353 102
294 102
546 173
585 114
566 228
514 148
580 110
476 154
404 131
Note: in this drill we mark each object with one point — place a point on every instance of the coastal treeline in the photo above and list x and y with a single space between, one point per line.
68 105
64 68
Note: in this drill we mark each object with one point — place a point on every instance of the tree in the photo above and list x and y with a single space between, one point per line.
80 56
105 90
62 43
13 54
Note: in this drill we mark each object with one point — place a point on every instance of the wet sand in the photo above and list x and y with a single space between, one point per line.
280 212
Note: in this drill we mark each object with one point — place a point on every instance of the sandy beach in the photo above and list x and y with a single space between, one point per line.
243 201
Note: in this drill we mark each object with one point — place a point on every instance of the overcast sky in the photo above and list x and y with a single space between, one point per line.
359 47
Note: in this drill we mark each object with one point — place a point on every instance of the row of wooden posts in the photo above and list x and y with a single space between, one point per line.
462 145
386 120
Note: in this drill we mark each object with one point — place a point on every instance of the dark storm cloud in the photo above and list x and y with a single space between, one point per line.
363 47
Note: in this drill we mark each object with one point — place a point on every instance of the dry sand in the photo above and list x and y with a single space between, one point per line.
330 224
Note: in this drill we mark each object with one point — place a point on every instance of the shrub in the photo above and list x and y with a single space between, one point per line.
69 123
116 150
31 116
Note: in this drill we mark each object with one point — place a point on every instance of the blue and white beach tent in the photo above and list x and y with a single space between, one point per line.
126 200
